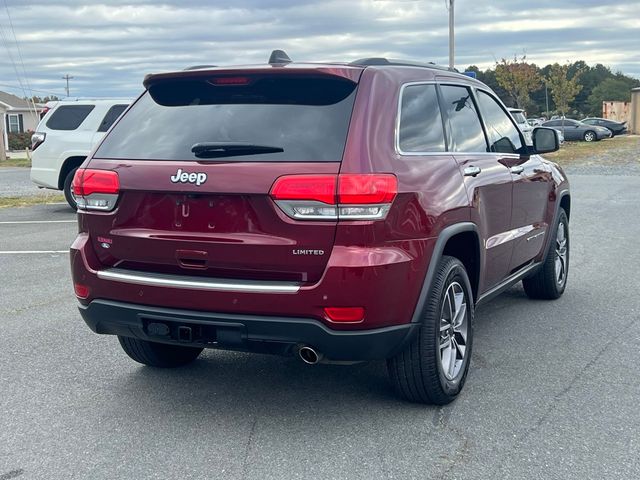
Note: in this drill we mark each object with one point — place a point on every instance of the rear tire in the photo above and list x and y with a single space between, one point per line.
550 281
158 354
67 189
433 368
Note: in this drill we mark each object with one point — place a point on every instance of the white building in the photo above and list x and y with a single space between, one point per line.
17 115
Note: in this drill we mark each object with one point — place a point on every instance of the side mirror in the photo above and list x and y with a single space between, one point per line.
545 140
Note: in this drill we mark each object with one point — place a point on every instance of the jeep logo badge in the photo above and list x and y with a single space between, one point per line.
184 177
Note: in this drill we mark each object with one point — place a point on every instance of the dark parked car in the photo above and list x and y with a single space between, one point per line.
574 130
616 128
335 212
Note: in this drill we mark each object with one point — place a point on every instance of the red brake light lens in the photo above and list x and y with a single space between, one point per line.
321 188
87 181
345 314
230 81
366 189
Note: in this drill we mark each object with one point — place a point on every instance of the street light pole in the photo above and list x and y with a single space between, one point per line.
451 35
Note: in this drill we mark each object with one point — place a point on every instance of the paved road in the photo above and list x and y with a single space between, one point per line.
15 182
553 390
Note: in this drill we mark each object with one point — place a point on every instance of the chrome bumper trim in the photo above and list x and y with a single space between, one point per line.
196 283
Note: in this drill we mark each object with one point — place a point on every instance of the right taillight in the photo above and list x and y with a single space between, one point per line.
96 189
37 139
335 197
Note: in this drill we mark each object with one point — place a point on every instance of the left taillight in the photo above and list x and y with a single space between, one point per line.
37 139
335 197
96 189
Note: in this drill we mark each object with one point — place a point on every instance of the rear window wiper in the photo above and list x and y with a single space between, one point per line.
231 149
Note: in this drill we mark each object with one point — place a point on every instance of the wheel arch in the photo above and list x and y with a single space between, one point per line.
565 203
453 240
69 164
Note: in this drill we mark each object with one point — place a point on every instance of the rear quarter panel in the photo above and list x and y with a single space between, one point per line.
431 193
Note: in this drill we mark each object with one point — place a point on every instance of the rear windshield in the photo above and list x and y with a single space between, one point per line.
519 117
273 118
111 116
69 117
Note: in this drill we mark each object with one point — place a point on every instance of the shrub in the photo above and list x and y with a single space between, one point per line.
19 141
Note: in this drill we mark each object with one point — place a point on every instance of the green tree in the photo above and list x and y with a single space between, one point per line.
518 78
46 99
590 78
563 88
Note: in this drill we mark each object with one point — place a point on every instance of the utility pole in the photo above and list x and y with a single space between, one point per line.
3 154
68 77
451 35
546 98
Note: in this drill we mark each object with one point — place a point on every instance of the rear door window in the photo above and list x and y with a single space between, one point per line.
268 118
461 117
111 116
69 117
420 120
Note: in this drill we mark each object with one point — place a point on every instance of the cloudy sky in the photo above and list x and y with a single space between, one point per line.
108 46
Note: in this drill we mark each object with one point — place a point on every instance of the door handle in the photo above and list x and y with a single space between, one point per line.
472 171
517 169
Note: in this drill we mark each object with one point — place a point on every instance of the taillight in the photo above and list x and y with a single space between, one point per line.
335 197
96 189
230 81
37 139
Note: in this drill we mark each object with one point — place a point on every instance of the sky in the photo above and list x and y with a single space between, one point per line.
109 46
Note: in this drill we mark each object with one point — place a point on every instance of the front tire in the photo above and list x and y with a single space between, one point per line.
67 189
550 281
156 354
590 136
433 368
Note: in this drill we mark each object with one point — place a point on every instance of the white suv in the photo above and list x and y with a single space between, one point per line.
520 118
66 135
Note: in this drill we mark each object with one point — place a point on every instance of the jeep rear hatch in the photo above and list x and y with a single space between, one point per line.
196 158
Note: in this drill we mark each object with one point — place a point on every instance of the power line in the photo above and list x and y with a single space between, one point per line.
48 92
13 63
24 70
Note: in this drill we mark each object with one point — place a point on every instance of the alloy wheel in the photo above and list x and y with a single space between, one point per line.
453 331
562 249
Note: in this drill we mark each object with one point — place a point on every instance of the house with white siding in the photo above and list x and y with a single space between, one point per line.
17 115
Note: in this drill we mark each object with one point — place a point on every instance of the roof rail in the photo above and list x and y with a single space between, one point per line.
376 61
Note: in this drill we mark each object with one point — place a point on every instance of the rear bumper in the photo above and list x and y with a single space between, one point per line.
264 334
603 135
385 281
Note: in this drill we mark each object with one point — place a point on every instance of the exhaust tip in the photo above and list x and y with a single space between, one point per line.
308 355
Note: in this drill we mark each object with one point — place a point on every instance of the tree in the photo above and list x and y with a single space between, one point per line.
563 89
518 78
610 90
43 99
590 77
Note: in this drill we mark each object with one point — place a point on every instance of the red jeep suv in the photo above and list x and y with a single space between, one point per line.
336 212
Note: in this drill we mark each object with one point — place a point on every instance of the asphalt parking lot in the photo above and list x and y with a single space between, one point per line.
553 391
